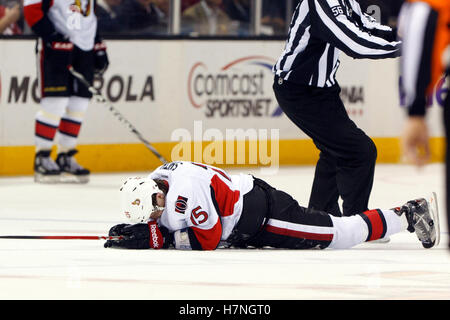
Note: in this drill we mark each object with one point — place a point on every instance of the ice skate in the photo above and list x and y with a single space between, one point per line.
45 169
423 218
71 171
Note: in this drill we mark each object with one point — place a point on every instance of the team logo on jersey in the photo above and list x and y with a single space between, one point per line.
136 202
181 204
77 7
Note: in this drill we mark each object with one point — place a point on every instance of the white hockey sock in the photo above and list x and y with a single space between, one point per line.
70 125
367 226
47 121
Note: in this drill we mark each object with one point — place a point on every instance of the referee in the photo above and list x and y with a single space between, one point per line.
306 88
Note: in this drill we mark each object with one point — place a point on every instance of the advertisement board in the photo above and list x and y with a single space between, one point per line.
196 91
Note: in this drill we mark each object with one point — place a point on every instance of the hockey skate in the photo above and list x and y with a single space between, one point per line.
45 169
423 218
71 171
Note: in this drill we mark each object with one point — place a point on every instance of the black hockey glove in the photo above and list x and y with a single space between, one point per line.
138 236
57 41
101 61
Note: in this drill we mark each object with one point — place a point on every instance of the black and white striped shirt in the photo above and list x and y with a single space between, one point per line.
319 30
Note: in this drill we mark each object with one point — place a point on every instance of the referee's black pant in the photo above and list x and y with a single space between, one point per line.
347 159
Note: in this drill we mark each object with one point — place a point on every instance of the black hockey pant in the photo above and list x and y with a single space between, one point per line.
347 158
272 218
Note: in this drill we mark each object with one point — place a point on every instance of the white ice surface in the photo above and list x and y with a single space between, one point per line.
83 269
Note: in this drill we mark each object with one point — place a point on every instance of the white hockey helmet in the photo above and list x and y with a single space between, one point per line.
139 199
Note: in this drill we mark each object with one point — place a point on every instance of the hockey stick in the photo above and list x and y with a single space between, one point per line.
63 237
100 98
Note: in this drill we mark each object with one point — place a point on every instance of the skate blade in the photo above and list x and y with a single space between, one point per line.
46 179
71 178
434 212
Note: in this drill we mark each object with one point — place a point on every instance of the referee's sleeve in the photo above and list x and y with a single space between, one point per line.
418 29
372 25
332 25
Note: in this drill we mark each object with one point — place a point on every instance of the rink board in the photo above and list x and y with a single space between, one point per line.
193 91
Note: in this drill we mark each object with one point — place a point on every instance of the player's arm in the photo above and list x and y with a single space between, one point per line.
331 23
418 23
204 229
101 61
35 13
418 31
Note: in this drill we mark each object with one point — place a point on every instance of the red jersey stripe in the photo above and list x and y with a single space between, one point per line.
224 196
209 239
33 13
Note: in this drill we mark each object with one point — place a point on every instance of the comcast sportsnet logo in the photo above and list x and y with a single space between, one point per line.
240 88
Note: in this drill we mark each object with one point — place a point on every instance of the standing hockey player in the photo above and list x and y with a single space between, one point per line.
196 206
306 88
425 29
67 31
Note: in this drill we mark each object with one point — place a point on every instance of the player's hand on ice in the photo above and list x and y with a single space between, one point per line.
416 145
101 61
136 236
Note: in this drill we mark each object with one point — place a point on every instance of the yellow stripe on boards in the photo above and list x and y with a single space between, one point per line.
18 160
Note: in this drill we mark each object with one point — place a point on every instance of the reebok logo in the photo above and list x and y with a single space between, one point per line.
155 237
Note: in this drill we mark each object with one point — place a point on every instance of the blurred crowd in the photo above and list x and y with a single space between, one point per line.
198 17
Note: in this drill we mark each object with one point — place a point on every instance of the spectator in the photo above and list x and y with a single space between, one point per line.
274 16
9 18
206 18
162 8
187 3
239 11
138 16
107 12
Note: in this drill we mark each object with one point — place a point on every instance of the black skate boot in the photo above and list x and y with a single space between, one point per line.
45 169
71 171
423 218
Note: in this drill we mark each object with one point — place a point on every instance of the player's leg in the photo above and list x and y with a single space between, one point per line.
69 129
53 81
292 226
71 122
289 225
420 216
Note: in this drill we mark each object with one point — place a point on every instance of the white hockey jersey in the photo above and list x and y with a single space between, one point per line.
203 198
73 18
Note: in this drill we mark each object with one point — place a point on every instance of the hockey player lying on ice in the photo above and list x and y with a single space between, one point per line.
194 206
